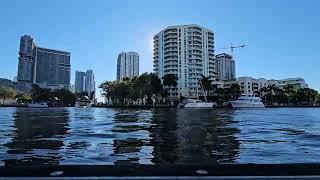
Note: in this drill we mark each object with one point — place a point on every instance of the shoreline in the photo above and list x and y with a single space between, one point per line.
157 106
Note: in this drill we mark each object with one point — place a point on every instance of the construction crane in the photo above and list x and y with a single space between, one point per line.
232 47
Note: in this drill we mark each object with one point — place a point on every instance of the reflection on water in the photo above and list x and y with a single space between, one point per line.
39 134
157 136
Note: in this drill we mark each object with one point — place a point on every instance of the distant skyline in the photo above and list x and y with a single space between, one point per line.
282 37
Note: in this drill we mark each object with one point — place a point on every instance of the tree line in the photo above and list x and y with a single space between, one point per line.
10 93
38 94
289 96
148 87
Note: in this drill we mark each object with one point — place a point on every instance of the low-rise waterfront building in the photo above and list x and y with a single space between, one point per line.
250 85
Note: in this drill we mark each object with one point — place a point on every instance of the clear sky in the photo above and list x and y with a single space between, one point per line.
282 37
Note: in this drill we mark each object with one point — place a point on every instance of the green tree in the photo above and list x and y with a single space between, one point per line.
206 85
289 92
107 89
234 90
64 96
269 94
170 81
39 94
6 92
23 98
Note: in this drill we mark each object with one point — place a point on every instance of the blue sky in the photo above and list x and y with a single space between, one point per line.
282 37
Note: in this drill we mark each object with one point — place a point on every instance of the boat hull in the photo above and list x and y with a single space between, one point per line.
199 105
38 105
236 104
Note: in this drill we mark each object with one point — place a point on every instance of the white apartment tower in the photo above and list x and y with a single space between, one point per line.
127 65
225 67
186 51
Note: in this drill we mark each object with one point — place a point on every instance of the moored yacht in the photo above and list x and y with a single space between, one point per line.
195 103
38 105
247 101
83 102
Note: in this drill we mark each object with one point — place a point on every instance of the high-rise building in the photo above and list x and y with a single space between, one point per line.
186 51
127 65
79 81
46 67
84 82
89 82
52 68
26 59
225 67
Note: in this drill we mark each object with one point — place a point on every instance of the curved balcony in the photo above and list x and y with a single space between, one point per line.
170 35
170 49
171 71
171 53
171 40
170 44
170 31
168 61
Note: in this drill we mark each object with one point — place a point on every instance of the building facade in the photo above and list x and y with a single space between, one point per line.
79 81
225 67
26 59
127 65
52 68
89 85
186 51
249 85
48 68
297 83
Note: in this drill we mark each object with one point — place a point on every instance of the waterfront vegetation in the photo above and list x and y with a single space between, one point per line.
6 93
289 96
147 89
58 97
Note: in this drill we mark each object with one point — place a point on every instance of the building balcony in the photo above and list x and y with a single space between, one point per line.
171 49
170 44
171 71
171 68
171 53
171 40
171 35
170 57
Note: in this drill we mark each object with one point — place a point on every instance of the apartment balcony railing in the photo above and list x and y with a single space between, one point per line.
170 57
171 61
171 53
170 44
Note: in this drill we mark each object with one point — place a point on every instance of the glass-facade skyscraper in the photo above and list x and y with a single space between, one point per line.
79 81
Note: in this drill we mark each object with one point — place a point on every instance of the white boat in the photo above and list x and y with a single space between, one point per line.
83 102
195 103
247 101
38 105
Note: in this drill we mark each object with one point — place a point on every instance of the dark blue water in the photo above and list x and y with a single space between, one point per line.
95 136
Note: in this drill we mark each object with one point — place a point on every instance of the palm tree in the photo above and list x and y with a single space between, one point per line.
170 80
269 93
206 85
234 90
289 92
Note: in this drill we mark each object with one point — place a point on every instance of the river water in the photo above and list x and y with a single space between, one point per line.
98 136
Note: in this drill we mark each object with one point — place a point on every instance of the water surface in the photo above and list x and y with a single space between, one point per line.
93 136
